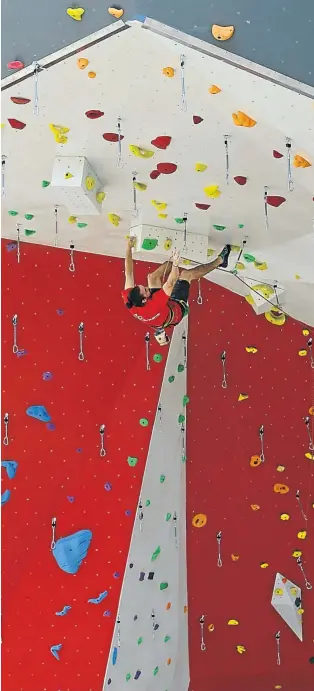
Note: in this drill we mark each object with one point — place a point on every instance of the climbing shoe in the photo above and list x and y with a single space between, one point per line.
224 254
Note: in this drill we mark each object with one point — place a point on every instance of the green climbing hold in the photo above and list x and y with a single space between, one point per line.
163 586
13 213
183 459
132 461
311 660
28 216
179 220
156 670
147 503
162 478
249 258
234 272
45 183
240 225
219 227
139 640
157 357
28 232
186 400
128 676
166 639
171 379
143 422
149 243
181 418
168 516
81 225
180 368
156 553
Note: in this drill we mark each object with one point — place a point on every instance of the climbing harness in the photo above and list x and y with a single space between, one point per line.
6 429
202 621
102 451
14 322
81 333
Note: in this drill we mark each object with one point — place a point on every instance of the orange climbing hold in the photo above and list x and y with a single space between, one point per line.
168 605
242 119
91 75
116 11
168 71
255 461
281 489
82 63
300 162
214 89
222 33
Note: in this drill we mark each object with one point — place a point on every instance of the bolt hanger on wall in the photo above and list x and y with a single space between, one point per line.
219 538
277 637
288 149
3 160
226 143
102 451
147 344
72 265
183 94
199 296
224 373
53 528
81 356
37 68
18 248
120 162
261 436
14 322
6 420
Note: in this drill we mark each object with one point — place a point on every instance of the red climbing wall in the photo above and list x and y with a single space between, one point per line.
222 438
60 472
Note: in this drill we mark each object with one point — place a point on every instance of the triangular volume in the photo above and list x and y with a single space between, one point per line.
286 600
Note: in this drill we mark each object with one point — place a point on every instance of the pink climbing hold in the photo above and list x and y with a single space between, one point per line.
203 207
154 174
240 179
166 168
275 201
94 114
112 137
15 65
161 142
16 124
19 100
197 119
277 154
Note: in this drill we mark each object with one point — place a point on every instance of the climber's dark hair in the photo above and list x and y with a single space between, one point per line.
135 299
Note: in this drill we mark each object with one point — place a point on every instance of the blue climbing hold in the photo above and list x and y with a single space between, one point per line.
71 499
55 650
114 655
11 246
47 376
11 468
116 574
70 551
5 497
99 599
108 487
63 611
60 313
107 613
137 674
22 352
39 412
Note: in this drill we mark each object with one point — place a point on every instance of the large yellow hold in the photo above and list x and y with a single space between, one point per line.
160 206
300 162
114 219
212 191
242 119
200 167
141 153
59 132
76 13
222 33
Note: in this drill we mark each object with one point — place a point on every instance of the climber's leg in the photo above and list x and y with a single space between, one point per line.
204 269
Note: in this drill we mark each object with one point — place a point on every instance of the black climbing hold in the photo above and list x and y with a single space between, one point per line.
297 602
150 575
311 660
131 566
155 627
135 617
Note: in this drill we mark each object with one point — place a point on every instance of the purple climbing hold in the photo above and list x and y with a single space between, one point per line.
141 576
47 376
116 574
128 512
21 353
108 487
79 450
60 313
107 613
71 499
137 674
51 426
11 246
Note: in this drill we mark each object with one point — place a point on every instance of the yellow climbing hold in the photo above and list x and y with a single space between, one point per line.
200 167
59 132
162 215
276 317
68 176
72 219
82 63
210 252
302 353
243 397
90 183
141 153
264 290
233 622
242 119
160 206
212 191
114 219
116 12
168 71
255 507
297 277
222 33
294 591
199 520
235 557
249 299
100 196
251 349
300 610
285 517
281 468
277 686
139 186
214 89
235 248
168 242
239 266
279 591
211 627
187 262
241 649
300 162
310 456
76 13
264 565
306 332
261 266
302 534
297 553
91 75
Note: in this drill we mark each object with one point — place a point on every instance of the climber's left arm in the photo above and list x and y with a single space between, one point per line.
129 274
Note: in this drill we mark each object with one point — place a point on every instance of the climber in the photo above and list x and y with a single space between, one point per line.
163 305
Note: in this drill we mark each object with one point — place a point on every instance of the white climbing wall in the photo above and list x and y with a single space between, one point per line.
160 656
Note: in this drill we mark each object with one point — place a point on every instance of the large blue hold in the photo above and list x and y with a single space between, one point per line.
70 551
5 497
11 468
39 412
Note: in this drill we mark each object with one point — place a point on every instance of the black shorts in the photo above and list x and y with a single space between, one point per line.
180 292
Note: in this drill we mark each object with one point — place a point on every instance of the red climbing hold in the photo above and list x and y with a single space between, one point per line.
166 168
275 201
16 124
161 142
240 179
154 174
112 137
203 207
277 154
94 114
19 100
15 65
197 119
